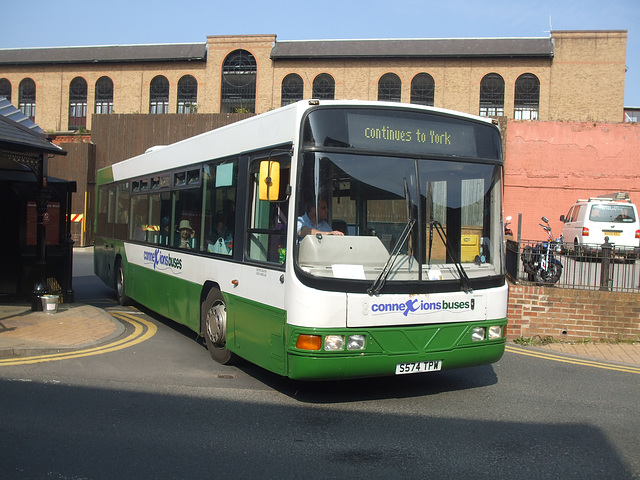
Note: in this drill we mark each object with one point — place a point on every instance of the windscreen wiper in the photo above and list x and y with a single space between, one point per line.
375 288
464 279
382 278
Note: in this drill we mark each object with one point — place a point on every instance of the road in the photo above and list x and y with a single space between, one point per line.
164 409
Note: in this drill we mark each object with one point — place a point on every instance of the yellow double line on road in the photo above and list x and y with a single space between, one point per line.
572 360
142 330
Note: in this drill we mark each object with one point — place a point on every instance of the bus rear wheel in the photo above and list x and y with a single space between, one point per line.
214 326
122 298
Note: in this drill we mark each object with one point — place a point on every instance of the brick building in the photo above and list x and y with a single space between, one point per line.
569 76
571 82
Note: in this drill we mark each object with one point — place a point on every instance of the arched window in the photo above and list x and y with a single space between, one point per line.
104 95
187 94
5 88
492 95
527 97
292 89
389 88
423 89
239 72
324 87
159 95
77 103
27 98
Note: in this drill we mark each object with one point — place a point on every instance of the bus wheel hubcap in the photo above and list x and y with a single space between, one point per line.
217 324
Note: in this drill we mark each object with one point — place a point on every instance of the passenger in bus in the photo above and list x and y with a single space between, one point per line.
315 221
187 235
224 242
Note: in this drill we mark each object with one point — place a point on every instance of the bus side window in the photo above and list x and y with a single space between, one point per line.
103 211
267 232
219 187
160 212
140 217
122 204
187 215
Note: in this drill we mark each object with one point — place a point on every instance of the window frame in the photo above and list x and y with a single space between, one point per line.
187 93
159 95
103 96
526 97
239 82
423 94
390 88
78 89
27 94
292 89
275 213
492 89
324 87
5 88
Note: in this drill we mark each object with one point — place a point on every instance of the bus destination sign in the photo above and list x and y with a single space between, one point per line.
415 134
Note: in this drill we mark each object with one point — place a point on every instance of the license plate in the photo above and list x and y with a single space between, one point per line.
418 367
612 234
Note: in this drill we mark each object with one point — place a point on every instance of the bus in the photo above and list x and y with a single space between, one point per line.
400 270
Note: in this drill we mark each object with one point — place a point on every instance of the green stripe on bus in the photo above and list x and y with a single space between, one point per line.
104 175
386 347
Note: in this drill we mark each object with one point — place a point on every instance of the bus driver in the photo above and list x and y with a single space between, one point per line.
314 222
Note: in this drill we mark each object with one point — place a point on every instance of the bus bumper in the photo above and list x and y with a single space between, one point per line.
325 367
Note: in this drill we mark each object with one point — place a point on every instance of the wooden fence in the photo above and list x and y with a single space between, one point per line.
118 137
115 138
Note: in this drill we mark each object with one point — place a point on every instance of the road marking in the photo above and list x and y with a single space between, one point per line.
575 361
142 330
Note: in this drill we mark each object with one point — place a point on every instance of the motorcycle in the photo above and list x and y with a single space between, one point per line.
540 262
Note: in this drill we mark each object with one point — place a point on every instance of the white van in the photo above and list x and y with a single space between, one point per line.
612 215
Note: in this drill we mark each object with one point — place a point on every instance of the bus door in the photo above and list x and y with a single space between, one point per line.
259 316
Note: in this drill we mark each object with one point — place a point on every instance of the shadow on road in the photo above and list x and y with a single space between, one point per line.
88 432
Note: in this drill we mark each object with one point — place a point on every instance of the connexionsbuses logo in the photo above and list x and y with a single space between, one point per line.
420 306
162 261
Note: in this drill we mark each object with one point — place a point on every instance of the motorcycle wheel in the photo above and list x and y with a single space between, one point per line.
551 275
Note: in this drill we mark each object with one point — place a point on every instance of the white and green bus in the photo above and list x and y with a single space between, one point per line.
398 270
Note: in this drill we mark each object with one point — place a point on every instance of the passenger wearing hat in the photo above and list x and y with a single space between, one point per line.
187 234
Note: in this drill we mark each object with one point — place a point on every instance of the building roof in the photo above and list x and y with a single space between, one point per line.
8 110
294 49
18 138
184 52
425 48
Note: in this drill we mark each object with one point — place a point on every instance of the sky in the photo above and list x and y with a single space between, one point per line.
126 22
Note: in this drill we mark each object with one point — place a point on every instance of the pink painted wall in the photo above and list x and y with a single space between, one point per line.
549 165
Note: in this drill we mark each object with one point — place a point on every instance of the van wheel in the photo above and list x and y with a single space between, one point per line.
578 250
123 299
214 326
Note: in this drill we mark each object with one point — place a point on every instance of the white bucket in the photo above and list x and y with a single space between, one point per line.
50 303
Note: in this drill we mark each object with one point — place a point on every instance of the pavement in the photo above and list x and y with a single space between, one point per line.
78 326
73 326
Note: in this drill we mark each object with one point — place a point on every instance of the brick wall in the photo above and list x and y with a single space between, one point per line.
572 315
549 165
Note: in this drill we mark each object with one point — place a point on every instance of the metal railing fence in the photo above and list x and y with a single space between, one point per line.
588 267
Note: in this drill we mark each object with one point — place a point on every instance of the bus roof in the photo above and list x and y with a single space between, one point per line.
277 127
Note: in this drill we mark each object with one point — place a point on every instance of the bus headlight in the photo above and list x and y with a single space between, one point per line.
478 334
355 342
333 343
495 332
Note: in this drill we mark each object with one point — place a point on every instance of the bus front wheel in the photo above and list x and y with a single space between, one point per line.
122 298
214 326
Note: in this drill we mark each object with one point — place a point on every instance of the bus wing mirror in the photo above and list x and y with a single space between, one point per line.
269 180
